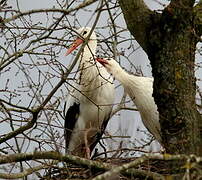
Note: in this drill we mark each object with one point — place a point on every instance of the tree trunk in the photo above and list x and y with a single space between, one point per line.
170 43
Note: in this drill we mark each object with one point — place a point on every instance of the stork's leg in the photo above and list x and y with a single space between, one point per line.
88 152
87 149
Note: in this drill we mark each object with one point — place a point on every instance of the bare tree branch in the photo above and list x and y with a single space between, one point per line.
82 5
190 161
25 173
140 160
35 113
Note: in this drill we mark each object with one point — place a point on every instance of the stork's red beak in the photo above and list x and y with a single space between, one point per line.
102 61
75 44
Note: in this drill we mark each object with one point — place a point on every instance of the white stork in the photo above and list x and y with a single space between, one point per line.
140 90
90 103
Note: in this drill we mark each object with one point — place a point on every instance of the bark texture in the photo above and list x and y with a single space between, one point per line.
169 39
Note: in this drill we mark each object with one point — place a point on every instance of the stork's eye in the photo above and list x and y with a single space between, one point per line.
85 32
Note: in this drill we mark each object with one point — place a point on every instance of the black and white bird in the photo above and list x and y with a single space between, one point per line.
90 102
140 90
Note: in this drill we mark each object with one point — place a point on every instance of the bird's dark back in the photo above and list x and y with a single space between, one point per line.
71 118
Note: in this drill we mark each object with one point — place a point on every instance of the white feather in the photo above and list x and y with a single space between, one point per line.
140 90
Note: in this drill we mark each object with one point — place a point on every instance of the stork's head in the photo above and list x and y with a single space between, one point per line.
82 34
110 65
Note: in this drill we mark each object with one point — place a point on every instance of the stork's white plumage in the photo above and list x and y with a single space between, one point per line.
140 90
90 104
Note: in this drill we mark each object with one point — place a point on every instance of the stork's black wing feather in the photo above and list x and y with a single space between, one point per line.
70 121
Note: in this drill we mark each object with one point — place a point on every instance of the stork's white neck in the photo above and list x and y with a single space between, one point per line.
89 51
88 70
93 75
119 73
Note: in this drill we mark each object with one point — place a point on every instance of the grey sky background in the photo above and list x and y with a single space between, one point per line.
125 123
